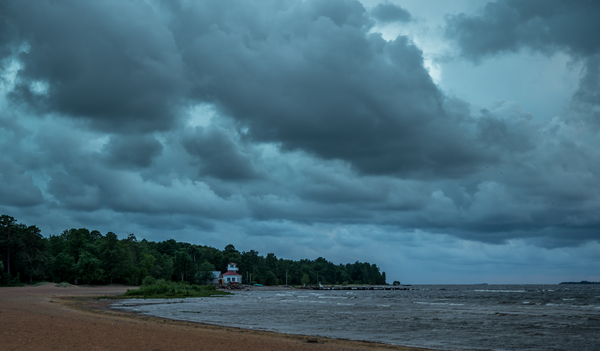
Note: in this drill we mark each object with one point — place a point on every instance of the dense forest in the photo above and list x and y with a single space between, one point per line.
81 256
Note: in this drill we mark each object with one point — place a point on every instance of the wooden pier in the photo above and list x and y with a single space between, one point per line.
374 287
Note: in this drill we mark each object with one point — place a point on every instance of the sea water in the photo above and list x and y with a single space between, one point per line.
447 317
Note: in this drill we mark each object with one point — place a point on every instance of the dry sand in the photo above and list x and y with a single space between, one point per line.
47 317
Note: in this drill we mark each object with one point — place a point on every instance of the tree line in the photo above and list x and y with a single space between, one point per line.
82 256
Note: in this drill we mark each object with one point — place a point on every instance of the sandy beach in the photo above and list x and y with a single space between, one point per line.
68 318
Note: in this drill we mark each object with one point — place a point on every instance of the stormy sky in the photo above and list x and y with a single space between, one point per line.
445 141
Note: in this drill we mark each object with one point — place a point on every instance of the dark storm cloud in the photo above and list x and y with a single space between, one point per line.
136 151
113 63
219 155
549 179
314 121
543 25
386 12
311 78
586 100
499 134
305 75
86 186
16 186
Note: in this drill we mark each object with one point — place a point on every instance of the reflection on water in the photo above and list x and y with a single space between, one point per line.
497 317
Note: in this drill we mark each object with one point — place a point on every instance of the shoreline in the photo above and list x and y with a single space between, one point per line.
46 316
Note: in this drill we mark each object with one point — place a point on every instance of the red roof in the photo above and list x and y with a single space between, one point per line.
231 273
231 264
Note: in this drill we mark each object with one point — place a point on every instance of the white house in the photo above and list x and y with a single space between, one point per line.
232 276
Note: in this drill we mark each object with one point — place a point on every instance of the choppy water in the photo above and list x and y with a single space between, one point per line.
449 317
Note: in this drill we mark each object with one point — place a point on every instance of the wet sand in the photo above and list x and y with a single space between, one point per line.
49 317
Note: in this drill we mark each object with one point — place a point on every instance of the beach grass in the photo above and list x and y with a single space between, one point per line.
163 289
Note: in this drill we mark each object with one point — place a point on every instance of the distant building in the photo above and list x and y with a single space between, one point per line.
231 276
216 276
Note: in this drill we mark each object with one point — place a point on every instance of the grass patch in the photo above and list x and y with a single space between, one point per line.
63 285
163 289
41 283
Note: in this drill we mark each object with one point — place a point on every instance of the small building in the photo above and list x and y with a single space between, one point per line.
232 276
216 276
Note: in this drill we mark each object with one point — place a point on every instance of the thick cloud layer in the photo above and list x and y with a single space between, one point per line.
289 123
387 12
562 169
510 25
112 63
507 26
310 78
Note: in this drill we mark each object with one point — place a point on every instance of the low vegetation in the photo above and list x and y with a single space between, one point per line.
152 288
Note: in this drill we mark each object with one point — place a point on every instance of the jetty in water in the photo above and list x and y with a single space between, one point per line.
372 287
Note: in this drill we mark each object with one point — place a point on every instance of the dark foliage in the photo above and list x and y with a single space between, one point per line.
83 256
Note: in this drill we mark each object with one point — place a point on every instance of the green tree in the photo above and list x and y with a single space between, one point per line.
183 263
271 262
168 247
8 238
32 253
230 249
167 267
64 267
89 267
114 256
271 279
205 272
305 279
249 260
147 264
78 241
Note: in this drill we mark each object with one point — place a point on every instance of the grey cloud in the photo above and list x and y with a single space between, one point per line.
134 151
386 12
316 122
509 25
506 135
16 186
305 75
86 186
543 26
505 26
112 63
563 162
586 100
74 193
325 86
219 154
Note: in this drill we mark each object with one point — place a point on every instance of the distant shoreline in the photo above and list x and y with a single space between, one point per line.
581 282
